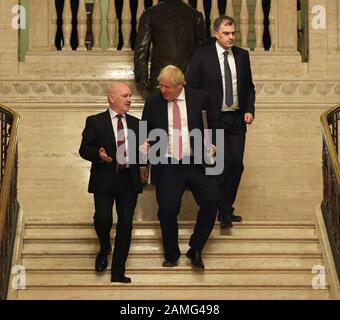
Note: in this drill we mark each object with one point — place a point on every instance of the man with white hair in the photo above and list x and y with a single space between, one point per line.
114 178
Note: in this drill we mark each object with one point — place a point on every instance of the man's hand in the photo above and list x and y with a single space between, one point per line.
144 148
104 156
144 174
211 151
248 118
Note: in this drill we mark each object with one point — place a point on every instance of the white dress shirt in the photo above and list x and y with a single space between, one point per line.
114 121
232 65
184 126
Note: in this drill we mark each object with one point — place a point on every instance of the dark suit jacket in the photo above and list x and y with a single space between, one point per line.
175 30
155 113
205 73
99 133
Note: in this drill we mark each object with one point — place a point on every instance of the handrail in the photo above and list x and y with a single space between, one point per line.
331 180
331 146
8 189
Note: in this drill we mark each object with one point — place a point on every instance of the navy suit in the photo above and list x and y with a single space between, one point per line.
205 73
171 180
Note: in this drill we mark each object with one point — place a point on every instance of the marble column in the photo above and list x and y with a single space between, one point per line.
286 25
318 37
9 44
40 25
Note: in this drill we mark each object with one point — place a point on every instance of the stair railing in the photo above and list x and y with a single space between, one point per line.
9 206
331 180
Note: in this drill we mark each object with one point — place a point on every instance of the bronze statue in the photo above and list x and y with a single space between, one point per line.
175 30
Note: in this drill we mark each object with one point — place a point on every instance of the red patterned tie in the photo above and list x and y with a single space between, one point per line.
121 149
177 132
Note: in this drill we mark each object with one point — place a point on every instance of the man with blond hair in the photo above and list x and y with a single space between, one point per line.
114 178
177 111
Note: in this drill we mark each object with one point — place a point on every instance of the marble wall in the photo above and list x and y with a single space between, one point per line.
54 92
281 181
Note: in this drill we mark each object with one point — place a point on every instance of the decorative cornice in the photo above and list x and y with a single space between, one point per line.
32 90
53 88
297 88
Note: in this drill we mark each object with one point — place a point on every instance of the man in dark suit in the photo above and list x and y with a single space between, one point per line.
223 71
176 111
115 177
174 29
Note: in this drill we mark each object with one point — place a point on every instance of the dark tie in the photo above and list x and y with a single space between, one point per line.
228 82
121 149
177 136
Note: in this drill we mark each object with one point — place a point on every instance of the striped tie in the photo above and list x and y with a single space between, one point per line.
121 149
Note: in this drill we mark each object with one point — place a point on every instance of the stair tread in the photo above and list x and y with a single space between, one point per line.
145 224
141 262
125 292
235 233
88 247
174 278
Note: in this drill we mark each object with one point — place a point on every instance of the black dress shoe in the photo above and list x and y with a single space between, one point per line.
225 225
169 264
196 258
235 218
226 222
122 279
101 262
101 259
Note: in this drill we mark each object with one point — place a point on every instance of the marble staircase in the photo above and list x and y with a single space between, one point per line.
252 260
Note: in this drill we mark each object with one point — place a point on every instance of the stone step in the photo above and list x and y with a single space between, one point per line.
50 262
32 223
237 232
175 277
124 292
252 260
214 246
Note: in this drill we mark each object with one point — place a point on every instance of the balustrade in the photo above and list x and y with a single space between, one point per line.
9 205
121 19
330 204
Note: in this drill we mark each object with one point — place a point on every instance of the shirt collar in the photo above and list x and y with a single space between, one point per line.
181 95
220 50
113 114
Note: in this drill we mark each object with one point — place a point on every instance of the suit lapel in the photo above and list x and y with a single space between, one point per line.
163 114
189 102
109 131
237 59
216 64
131 126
